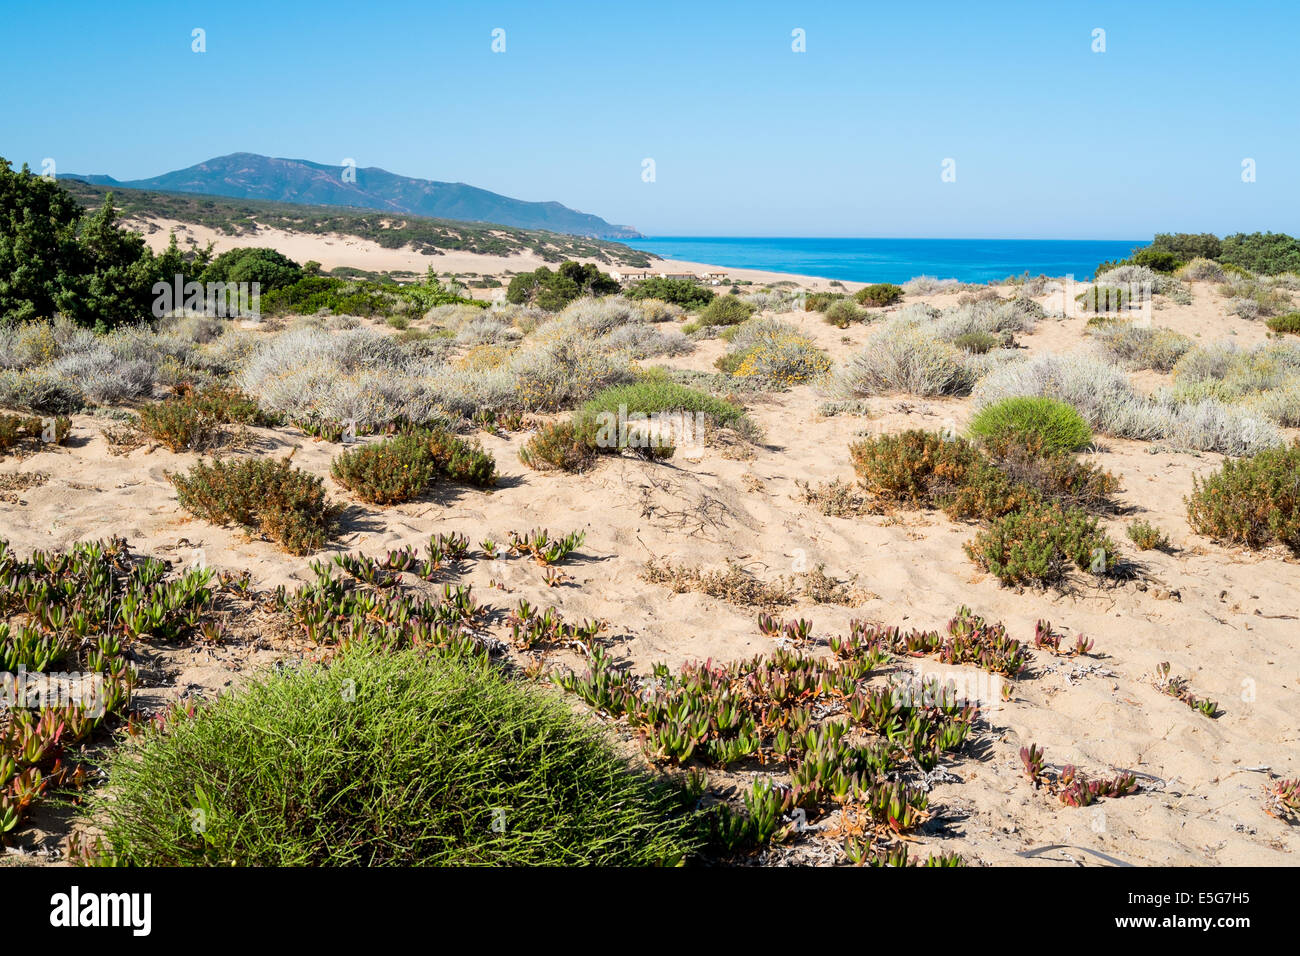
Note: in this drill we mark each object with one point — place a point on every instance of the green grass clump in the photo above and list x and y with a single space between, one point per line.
263 496
1038 544
384 759
879 294
1285 324
1055 425
1252 501
404 466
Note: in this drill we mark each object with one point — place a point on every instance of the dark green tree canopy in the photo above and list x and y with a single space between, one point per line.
554 290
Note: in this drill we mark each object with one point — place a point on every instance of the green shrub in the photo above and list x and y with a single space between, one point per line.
1147 536
977 343
1055 425
385 759
263 496
1253 501
725 310
193 420
404 466
842 313
652 395
683 292
880 294
821 301
1037 545
16 430
1289 323
386 472
562 446
552 291
1266 253
913 466
925 469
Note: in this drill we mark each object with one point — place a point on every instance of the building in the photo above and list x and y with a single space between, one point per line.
630 274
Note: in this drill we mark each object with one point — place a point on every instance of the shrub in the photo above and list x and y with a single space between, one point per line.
878 295
193 420
914 466
902 358
821 301
681 292
1283 324
927 470
653 394
261 495
725 310
1055 425
1266 253
773 352
976 343
552 291
1104 299
564 446
842 313
1101 393
1254 501
386 472
397 759
1202 269
1140 346
403 466
929 285
17 430
1038 544
44 390
1147 536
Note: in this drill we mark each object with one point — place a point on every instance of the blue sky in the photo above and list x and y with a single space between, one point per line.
1049 138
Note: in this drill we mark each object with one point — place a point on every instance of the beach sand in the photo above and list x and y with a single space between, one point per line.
1226 619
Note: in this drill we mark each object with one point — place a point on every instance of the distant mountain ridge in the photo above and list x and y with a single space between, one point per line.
300 181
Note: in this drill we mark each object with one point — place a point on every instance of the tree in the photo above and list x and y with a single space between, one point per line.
554 290
38 245
270 269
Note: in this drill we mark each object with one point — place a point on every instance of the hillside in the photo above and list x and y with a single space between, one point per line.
430 236
250 176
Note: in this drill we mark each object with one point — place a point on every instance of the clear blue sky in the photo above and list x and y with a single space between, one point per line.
1050 139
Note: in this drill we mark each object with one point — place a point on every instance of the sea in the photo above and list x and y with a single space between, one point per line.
896 260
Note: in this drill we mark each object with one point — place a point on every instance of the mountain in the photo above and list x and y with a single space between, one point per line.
250 176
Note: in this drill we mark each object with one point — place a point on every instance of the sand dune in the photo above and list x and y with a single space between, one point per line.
1228 620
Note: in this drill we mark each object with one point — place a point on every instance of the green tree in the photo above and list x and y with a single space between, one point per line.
39 253
270 269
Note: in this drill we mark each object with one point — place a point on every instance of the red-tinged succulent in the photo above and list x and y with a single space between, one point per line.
1031 758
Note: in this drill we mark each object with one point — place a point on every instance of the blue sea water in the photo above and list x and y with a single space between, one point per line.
896 260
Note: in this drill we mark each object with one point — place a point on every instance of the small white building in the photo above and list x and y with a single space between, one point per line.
630 275
689 276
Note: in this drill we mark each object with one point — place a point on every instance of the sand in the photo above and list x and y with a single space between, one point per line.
333 251
1227 619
